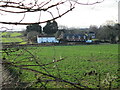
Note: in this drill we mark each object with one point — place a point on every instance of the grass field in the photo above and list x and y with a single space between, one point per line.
11 34
7 40
79 61
8 37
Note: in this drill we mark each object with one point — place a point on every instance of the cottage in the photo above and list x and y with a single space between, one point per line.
46 39
74 35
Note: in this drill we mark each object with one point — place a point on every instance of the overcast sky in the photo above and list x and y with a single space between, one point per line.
82 16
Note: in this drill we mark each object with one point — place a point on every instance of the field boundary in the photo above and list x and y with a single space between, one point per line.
44 44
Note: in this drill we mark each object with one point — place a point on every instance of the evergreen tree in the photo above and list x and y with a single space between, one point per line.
51 27
34 27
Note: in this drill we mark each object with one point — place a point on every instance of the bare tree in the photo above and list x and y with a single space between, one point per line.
54 8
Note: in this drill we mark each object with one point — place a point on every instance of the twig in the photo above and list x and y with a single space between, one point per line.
56 78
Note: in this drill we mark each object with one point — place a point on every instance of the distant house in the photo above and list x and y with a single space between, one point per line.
91 35
74 35
46 39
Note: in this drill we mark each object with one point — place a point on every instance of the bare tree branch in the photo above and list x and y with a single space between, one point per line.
56 78
25 7
17 23
88 2
13 63
22 18
33 6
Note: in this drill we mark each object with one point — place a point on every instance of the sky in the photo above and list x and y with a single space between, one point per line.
82 16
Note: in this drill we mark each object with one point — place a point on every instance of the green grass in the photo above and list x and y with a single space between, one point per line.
12 34
6 40
4 33
15 34
9 37
79 60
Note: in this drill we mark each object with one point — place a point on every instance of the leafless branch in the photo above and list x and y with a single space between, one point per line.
4 29
13 63
56 78
38 6
87 2
22 18
17 23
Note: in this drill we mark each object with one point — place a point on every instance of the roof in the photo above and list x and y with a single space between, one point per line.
73 31
73 35
45 36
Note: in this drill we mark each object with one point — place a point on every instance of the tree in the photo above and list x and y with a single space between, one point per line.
116 28
24 8
51 27
32 31
34 27
32 36
93 28
102 34
108 32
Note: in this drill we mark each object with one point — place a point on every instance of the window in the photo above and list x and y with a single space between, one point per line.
67 37
73 37
79 37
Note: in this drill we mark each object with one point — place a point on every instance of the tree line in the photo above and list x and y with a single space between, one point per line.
105 33
33 30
